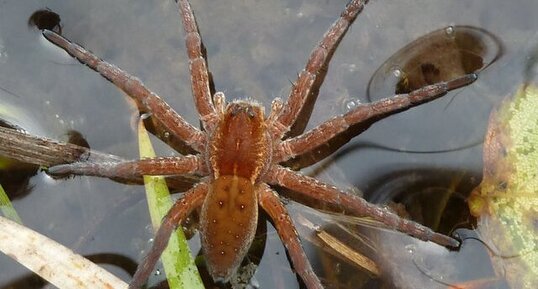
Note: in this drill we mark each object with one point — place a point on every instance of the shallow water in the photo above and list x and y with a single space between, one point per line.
255 48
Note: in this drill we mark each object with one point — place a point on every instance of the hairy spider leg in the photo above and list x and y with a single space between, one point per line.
197 65
319 58
281 176
170 119
365 113
278 213
181 209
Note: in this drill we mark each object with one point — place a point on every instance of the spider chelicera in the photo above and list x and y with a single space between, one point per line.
240 152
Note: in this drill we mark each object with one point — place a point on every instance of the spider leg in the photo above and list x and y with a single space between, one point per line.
313 188
170 119
191 200
271 203
317 60
367 113
197 63
129 169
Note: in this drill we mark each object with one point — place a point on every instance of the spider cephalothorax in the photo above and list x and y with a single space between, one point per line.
240 155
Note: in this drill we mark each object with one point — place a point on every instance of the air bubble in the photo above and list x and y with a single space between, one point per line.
166 135
157 272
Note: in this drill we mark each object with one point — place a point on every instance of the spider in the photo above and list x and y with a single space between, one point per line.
240 152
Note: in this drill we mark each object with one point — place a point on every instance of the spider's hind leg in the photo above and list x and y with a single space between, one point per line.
191 200
271 203
355 205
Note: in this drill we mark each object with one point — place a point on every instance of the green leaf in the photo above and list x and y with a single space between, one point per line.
506 202
7 208
177 260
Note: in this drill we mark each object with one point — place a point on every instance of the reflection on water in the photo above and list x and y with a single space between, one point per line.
438 56
45 19
255 48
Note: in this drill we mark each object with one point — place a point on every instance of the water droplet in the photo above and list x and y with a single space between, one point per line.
396 71
410 249
157 272
166 135
449 30
145 115
57 116
352 103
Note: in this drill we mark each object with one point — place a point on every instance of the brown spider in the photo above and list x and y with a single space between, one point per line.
240 152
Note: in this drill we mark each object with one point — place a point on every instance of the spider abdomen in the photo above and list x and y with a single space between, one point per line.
228 222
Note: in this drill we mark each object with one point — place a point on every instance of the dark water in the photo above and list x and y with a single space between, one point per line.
255 48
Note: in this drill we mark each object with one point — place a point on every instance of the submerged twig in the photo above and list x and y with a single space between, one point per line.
46 152
52 261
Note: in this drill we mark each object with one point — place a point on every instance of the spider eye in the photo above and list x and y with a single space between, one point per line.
234 111
251 113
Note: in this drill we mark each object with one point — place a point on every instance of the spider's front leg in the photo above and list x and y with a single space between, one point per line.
271 203
200 80
355 205
133 87
191 200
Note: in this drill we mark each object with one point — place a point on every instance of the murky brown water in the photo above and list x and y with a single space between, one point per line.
255 48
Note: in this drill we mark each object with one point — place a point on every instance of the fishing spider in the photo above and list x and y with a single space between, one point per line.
240 152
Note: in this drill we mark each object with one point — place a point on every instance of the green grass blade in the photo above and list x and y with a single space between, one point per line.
7 208
177 260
